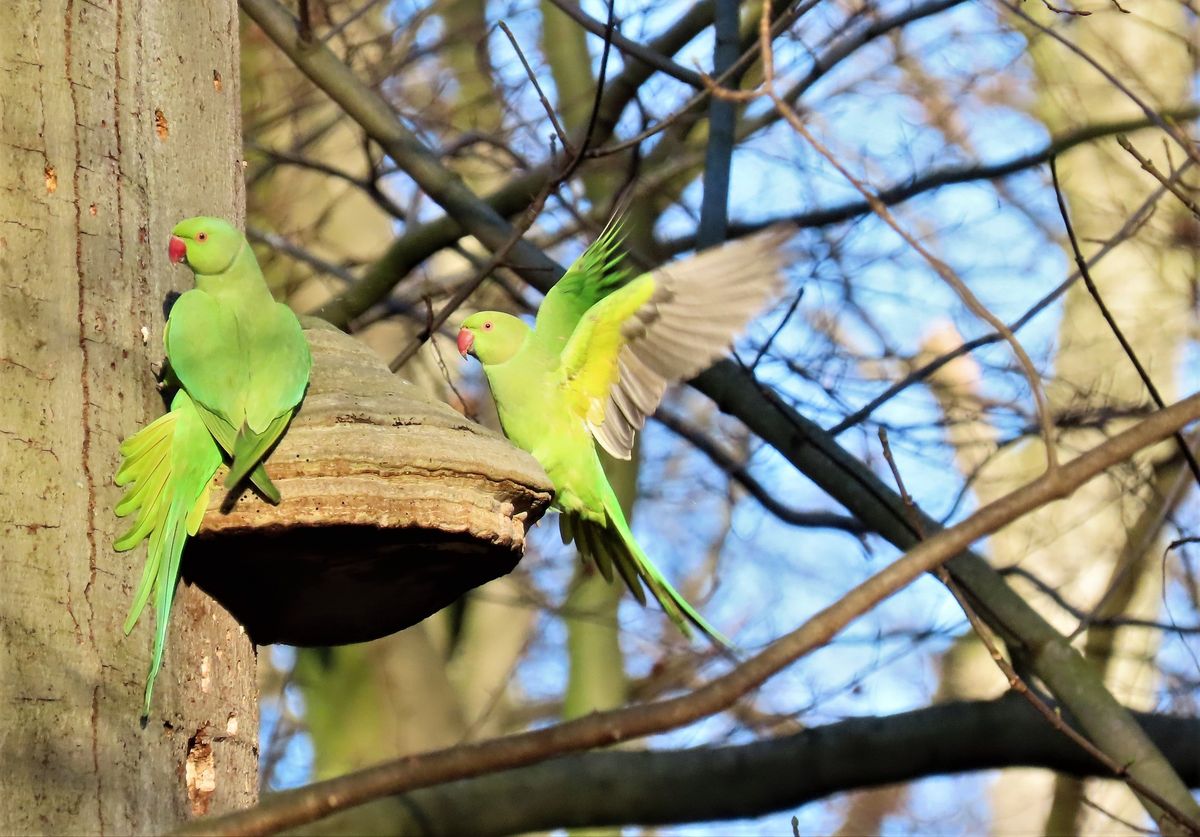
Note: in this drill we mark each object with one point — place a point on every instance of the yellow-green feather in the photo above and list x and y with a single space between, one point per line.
588 362
168 466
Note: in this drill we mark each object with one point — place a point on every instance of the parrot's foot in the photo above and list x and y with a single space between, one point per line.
159 369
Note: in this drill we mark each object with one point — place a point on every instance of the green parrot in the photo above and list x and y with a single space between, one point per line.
596 362
242 364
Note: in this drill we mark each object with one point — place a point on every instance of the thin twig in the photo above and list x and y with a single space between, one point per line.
594 118
282 245
1055 718
1135 220
1170 184
519 229
467 288
558 129
441 363
645 54
745 61
1061 11
370 187
1188 147
739 473
1079 613
941 268
349 19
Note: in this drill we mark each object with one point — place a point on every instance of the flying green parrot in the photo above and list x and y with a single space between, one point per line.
602 351
242 364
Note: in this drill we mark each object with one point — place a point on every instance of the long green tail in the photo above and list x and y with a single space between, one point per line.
613 545
170 464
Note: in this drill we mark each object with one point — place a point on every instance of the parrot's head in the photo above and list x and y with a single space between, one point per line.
491 336
208 245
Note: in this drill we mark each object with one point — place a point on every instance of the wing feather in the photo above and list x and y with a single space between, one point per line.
589 363
590 278
689 318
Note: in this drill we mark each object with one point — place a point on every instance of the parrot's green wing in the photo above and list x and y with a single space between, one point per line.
168 466
663 327
591 277
248 377
588 365
226 436
280 363
203 344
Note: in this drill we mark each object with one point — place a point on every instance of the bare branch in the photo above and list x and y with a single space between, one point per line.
739 473
752 780
310 803
647 55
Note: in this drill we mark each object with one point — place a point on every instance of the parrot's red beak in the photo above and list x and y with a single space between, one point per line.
466 341
177 250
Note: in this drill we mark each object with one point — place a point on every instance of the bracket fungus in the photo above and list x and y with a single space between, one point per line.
394 505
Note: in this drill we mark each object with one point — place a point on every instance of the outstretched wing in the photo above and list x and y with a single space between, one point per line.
589 362
590 278
686 320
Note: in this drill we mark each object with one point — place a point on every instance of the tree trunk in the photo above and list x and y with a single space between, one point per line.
117 120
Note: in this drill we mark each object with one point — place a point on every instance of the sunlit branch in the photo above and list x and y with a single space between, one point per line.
310 803
752 780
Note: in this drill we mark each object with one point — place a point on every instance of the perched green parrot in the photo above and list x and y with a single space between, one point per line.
242 363
596 362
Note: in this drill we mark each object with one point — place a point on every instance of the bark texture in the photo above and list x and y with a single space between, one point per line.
116 120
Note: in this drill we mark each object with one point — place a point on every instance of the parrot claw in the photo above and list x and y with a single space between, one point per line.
157 367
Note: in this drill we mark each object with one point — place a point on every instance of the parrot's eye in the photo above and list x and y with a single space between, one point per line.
202 236
487 326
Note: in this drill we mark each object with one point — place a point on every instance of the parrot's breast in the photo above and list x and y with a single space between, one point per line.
537 418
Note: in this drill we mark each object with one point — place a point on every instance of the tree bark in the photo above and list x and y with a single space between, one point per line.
117 120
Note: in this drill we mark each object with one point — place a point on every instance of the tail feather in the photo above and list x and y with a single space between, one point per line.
136 445
170 463
612 544
616 554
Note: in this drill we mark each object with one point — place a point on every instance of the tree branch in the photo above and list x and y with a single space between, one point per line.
1132 747
739 473
720 783
648 56
722 120
945 176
